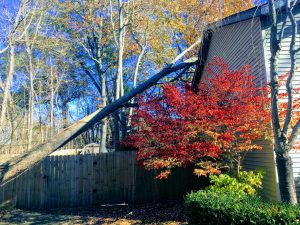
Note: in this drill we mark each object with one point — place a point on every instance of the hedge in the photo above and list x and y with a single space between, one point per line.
215 207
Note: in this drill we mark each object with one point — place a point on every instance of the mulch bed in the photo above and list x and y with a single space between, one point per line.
157 213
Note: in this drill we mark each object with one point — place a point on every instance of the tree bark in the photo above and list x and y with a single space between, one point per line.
119 89
104 120
52 95
8 82
31 93
286 179
135 76
64 109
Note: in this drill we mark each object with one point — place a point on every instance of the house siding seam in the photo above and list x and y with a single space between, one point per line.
240 44
284 67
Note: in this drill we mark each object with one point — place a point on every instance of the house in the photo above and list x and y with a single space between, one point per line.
244 38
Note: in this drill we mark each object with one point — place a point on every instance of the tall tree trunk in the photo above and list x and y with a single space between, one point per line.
52 96
31 94
119 91
64 109
104 121
135 76
8 82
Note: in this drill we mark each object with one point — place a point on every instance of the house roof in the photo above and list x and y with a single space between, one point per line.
257 11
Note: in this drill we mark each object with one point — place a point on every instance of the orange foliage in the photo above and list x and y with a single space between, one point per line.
181 128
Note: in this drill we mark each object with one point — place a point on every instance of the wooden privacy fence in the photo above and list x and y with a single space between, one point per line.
81 180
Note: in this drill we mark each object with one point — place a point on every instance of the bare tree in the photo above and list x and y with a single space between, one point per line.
119 36
29 45
13 37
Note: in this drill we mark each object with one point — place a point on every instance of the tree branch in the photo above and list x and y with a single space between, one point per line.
91 77
289 83
294 135
180 56
4 50
274 47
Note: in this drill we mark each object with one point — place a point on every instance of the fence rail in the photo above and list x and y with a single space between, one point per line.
81 180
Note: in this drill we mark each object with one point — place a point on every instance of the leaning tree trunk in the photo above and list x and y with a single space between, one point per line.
21 163
286 178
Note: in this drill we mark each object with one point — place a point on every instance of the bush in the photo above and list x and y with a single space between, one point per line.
246 182
216 207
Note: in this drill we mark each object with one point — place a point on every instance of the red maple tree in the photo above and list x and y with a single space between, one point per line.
181 127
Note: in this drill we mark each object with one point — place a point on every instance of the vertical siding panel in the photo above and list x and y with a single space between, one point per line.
90 179
74 179
80 180
46 181
58 185
101 177
240 44
96 179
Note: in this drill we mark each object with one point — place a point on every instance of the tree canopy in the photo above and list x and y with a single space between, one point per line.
221 120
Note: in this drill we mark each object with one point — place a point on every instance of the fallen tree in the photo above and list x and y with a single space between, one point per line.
18 165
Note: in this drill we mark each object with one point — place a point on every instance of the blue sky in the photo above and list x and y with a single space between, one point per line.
12 5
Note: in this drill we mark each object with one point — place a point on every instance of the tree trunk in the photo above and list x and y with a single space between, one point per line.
135 76
286 178
52 95
64 109
8 82
104 121
283 160
31 93
119 89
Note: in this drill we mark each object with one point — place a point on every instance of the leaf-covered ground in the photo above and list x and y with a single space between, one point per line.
160 213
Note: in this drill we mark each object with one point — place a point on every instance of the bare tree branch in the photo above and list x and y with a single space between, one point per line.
4 50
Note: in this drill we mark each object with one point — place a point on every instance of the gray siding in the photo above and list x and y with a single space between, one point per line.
284 67
240 44
264 160
296 169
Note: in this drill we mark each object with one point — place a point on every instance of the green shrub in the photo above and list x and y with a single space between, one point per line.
246 182
210 207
